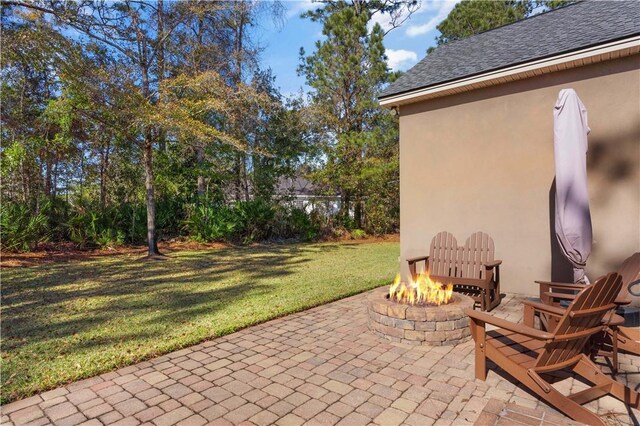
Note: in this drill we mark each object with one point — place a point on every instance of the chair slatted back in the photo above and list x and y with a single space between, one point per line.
447 259
442 254
581 320
480 250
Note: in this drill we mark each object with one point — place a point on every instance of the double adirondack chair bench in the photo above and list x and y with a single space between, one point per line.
471 268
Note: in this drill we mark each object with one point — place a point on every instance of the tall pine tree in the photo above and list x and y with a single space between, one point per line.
347 71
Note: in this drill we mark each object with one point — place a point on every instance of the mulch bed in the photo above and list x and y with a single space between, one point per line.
66 252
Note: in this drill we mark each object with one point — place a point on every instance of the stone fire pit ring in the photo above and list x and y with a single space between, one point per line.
419 325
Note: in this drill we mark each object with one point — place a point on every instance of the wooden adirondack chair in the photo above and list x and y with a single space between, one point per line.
472 268
616 336
527 353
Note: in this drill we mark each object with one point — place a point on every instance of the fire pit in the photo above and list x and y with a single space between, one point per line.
421 313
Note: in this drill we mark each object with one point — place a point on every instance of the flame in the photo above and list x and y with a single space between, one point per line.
423 290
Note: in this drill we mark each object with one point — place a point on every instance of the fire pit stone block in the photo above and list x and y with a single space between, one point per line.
419 325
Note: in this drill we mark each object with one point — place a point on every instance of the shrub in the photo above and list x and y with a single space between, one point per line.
206 223
303 225
255 219
20 229
382 216
358 234
57 211
110 238
83 227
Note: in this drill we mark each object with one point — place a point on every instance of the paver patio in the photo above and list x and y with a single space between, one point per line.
321 366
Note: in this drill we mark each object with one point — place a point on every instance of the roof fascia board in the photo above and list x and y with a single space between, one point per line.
541 66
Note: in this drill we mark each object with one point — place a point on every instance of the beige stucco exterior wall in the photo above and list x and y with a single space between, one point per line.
483 160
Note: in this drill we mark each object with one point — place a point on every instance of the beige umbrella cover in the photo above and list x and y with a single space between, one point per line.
572 215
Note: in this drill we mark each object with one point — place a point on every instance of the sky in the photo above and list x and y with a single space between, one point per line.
405 45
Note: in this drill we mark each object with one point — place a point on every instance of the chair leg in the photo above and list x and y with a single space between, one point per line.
479 336
529 316
544 390
587 369
628 343
483 298
561 402
614 345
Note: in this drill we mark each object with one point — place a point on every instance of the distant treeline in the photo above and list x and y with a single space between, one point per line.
129 122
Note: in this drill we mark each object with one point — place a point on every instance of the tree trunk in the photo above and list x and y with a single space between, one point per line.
201 181
104 164
161 64
151 201
147 154
47 178
237 171
54 180
357 213
245 179
240 166
344 205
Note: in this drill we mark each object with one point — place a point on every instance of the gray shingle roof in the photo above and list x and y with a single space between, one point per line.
577 26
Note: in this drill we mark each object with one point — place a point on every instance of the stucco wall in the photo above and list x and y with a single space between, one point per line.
483 160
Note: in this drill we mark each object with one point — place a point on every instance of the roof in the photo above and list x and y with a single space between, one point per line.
294 186
570 28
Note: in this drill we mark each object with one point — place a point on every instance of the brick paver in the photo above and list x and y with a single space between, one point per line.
321 366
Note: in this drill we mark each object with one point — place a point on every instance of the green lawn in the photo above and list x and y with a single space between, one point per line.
66 321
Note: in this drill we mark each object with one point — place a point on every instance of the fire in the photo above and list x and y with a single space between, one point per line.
423 290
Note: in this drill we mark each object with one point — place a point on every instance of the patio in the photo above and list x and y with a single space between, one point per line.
320 366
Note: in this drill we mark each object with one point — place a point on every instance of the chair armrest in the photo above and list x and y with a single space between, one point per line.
620 300
417 259
478 316
547 309
560 296
493 264
562 286
412 264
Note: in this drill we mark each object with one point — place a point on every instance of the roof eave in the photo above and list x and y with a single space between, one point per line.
598 53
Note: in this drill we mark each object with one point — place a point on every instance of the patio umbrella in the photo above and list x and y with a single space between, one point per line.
572 215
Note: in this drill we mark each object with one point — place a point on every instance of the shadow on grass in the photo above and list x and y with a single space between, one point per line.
176 285
66 321
40 303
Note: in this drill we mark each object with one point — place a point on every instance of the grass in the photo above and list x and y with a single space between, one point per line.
67 321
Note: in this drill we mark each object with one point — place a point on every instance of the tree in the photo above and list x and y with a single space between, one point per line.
157 108
347 71
471 17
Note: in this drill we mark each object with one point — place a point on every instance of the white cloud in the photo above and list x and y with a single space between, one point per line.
383 20
401 59
295 8
441 10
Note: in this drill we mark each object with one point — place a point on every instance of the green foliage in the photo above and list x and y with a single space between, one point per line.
104 228
358 234
20 229
250 221
255 219
83 228
347 71
82 111
470 17
382 215
206 223
303 225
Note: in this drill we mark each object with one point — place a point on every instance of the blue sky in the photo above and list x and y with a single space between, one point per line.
405 45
